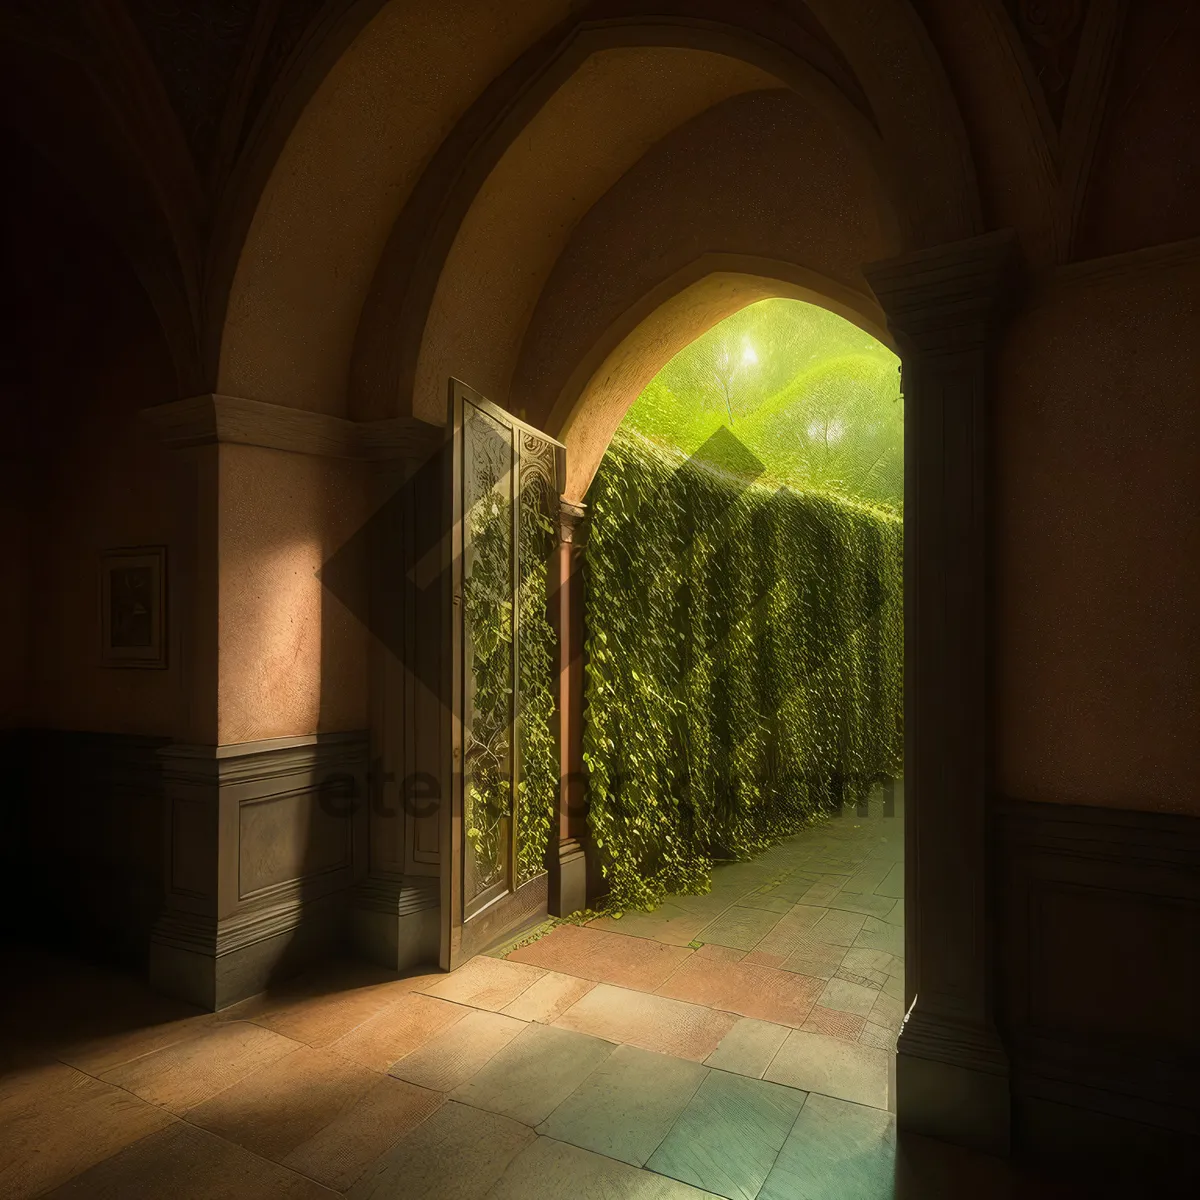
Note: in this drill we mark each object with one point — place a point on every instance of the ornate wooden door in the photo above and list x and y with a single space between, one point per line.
504 479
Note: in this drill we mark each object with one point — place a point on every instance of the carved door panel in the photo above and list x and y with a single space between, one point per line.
504 480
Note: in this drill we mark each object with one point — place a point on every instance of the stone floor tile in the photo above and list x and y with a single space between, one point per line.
747 989
181 1076
747 1049
275 1109
398 1030
815 958
868 877
887 1012
627 1105
712 903
771 903
879 935
832 1066
97 1055
727 1138
835 1023
603 957
835 1150
878 1036
321 1005
838 928
183 1161
553 1170
861 959
739 927
32 1083
483 982
534 1073
894 987
870 979
869 906
893 884
547 999
896 915
57 1122
451 1058
670 923
721 953
340 1152
652 1022
758 958
795 885
792 928
456 1154
823 891
848 997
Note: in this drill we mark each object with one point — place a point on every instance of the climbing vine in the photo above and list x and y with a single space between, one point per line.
744 663
538 785
494 613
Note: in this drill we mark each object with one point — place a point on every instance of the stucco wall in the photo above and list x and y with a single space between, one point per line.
292 657
1098 543
760 175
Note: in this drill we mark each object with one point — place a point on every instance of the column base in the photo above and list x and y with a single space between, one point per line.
395 921
952 1083
568 878
213 964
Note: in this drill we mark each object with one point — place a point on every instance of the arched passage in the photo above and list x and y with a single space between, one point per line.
345 250
391 232
592 404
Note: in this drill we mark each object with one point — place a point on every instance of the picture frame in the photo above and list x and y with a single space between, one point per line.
133 608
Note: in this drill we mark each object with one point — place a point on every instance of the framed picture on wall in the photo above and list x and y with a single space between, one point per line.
133 593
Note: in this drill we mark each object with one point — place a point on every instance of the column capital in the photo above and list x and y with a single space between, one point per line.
214 419
570 517
949 299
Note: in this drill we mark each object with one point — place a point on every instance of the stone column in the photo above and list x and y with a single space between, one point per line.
568 856
946 307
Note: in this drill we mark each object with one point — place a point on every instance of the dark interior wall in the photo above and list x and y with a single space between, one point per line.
1145 183
86 349
82 354
1098 541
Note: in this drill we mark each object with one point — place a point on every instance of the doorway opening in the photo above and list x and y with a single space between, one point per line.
742 731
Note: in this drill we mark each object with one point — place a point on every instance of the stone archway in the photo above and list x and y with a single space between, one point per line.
347 281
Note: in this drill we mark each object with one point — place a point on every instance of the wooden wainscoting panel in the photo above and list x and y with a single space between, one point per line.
1098 940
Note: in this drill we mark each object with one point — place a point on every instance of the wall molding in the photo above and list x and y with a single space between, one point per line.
1130 266
233 420
264 842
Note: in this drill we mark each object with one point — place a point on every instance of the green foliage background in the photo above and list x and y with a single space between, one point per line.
815 398
744 632
537 787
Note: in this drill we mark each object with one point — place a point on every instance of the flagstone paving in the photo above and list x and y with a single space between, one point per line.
598 1063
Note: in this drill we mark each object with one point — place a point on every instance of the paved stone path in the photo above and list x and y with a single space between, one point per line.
610 1061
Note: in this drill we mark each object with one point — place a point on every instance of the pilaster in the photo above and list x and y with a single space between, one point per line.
572 883
946 307
263 842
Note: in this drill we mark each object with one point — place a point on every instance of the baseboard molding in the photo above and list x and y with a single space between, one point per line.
395 919
1097 975
264 843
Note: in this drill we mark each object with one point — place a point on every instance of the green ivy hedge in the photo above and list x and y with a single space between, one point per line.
744 663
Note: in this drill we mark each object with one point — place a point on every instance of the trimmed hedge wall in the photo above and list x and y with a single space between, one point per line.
745 661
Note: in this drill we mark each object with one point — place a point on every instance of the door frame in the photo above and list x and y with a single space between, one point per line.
463 934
